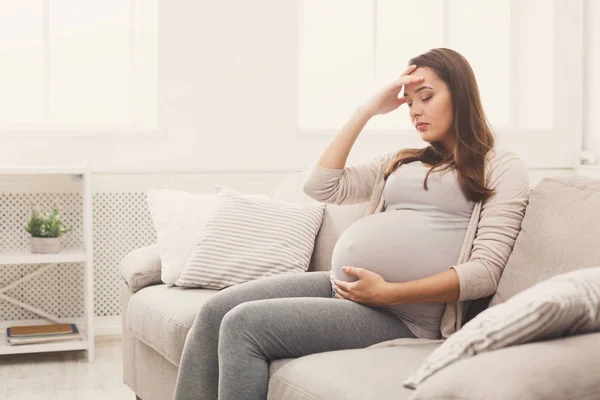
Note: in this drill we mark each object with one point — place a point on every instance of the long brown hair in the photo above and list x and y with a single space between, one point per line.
474 136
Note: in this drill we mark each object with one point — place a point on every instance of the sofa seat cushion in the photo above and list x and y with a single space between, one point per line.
564 368
361 374
161 316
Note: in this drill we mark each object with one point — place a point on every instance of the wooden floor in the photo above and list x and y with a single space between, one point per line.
66 375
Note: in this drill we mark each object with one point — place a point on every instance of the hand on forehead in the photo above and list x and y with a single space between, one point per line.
429 80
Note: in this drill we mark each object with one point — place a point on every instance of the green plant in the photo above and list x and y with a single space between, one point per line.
46 226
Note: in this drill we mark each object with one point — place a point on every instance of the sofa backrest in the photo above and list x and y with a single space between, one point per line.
560 233
336 219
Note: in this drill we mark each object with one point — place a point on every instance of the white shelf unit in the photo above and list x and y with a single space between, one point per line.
66 256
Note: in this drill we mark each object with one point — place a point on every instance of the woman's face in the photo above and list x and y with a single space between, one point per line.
430 108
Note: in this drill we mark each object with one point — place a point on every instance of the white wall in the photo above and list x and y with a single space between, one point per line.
228 99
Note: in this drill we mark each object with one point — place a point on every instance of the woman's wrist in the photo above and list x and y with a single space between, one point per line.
364 111
443 287
393 293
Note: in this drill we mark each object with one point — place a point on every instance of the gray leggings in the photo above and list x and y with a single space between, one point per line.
240 329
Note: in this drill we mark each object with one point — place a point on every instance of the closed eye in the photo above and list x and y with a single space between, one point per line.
425 99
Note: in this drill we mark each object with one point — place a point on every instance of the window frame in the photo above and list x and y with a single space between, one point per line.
543 148
47 129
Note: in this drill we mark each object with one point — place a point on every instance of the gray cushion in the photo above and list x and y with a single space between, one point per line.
361 374
563 368
560 233
563 305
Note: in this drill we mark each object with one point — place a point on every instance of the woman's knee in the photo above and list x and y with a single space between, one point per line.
213 310
242 318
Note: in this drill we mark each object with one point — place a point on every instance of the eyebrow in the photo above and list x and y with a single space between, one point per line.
420 89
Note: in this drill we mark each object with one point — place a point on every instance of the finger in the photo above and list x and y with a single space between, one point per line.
342 285
343 293
336 291
406 80
351 271
409 70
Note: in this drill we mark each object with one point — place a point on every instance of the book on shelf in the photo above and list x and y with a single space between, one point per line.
41 330
41 333
42 339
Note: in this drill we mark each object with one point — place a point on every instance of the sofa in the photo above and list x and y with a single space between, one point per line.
560 233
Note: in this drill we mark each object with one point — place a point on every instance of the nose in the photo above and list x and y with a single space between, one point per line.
416 111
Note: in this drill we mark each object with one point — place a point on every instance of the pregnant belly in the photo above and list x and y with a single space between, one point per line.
399 245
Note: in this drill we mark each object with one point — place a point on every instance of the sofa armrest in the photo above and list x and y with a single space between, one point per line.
141 267
564 368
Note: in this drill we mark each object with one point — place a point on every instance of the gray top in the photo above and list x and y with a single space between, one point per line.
490 237
418 234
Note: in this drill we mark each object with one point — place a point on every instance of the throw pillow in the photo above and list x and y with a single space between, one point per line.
245 239
563 305
178 217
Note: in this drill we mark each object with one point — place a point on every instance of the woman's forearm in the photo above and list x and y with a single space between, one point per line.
336 153
439 288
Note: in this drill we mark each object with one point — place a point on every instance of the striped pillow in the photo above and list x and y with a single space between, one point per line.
563 305
245 239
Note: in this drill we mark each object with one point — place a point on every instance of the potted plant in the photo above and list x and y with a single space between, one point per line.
45 231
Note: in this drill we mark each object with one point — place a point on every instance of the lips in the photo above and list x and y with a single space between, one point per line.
421 125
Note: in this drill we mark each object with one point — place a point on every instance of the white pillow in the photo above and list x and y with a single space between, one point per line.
246 239
563 305
178 217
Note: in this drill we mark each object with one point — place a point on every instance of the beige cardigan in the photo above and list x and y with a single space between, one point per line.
491 234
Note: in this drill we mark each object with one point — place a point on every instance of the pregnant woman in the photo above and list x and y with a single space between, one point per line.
396 272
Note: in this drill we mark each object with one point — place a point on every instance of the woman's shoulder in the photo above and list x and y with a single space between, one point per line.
506 165
383 159
498 156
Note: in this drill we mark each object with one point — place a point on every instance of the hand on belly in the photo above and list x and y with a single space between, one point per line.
338 273
394 249
368 288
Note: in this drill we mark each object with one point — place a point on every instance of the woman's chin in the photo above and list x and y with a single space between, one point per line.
428 137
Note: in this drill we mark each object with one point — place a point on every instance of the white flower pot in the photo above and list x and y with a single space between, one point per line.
45 245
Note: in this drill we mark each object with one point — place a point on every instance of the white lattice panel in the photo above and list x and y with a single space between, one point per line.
59 290
121 224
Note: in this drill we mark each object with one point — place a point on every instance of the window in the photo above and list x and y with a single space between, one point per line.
520 51
592 79
78 66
